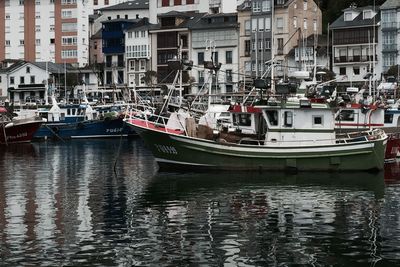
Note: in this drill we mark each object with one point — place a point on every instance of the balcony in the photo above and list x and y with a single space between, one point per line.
215 3
354 59
389 47
389 25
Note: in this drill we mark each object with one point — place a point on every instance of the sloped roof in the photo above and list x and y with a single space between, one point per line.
53 67
389 4
204 22
130 5
190 19
357 21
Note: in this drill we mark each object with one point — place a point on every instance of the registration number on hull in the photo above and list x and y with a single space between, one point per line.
166 149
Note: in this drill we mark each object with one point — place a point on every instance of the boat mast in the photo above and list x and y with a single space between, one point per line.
273 46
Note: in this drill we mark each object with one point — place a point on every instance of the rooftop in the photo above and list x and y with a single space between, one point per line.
130 5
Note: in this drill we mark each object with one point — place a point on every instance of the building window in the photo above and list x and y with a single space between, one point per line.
177 2
228 76
295 22
164 2
70 40
201 77
348 16
247 27
200 58
21 42
142 64
367 14
305 4
8 43
11 79
342 71
267 44
305 24
228 57
22 80
266 5
247 48
33 79
280 46
132 65
28 69
356 70
256 6
279 24
189 2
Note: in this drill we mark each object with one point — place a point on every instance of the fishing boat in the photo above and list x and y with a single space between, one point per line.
14 130
360 117
270 135
81 121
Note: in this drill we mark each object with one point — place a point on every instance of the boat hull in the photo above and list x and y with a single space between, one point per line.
18 133
174 151
85 129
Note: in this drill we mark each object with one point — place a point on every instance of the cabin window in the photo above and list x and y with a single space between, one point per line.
288 121
345 115
272 116
388 118
68 112
62 116
73 111
242 119
317 121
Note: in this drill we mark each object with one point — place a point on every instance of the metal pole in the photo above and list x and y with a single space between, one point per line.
65 82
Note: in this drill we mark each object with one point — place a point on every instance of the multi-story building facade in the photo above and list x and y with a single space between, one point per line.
244 44
215 38
137 54
45 30
172 39
355 39
208 6
113 39
294 21
259 28
390 30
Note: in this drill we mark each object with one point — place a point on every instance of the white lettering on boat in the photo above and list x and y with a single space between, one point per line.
166 149
114 130
20 135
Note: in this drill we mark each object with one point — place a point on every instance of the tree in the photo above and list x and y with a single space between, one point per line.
393 71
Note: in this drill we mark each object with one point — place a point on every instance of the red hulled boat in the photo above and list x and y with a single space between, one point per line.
14 130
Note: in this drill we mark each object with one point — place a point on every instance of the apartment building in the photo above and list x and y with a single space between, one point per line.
294 21
47 30
215 38
137 54
355 39
390 31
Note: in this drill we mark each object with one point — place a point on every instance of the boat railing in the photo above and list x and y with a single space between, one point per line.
157 121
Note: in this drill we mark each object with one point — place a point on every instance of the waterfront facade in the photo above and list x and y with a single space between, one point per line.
390 25
355 45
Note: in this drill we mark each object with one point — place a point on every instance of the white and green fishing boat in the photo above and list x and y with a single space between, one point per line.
270 136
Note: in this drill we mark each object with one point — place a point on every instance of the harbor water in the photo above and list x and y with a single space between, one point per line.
103 203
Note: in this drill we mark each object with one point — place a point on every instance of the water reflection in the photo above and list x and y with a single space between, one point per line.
101 203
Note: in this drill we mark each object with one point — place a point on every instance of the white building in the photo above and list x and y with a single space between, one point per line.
137 54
